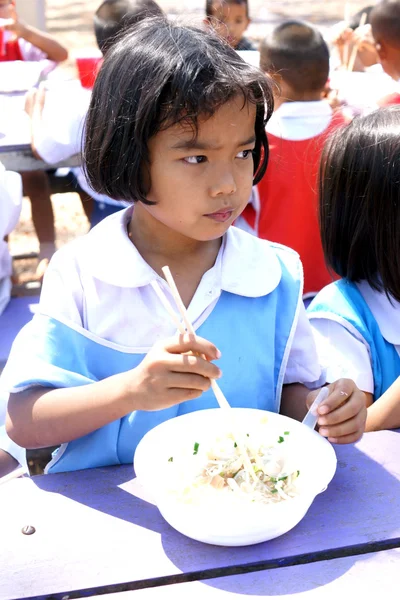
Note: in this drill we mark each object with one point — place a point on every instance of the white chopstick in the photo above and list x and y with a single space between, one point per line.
222 401
350 64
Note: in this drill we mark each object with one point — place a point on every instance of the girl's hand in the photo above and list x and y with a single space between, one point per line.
343 414
172 372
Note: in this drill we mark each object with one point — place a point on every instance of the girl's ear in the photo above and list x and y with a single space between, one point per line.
381 50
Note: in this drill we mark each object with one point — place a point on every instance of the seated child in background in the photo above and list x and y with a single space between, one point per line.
23 42
297 58
343 36
357 319
184 141
230 18
55 139
10 210
385 26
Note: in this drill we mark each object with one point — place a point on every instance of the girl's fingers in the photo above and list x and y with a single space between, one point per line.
339 392
345 412
340 431
346 439
188 381
188 363
190 343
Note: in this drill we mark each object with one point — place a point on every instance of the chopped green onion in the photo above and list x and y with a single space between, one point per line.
196 448
282 478
281 439
171 459
298 473
235 445
286 432
274 491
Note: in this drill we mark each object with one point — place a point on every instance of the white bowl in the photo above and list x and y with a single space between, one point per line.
229 523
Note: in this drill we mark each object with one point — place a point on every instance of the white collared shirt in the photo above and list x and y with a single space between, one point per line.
300 120
101 282
345 355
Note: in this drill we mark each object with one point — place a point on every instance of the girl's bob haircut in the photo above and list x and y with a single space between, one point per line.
359 201
156 75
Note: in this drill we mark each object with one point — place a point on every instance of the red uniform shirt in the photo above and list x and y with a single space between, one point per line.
12 51
288 211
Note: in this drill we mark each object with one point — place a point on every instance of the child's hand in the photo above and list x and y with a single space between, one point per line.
171 373
343 414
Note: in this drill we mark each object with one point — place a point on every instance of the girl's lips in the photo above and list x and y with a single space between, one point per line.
221 216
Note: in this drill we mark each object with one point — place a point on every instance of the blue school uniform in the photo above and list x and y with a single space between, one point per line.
254 334
343 303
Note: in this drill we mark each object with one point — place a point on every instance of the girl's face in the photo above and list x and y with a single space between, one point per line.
230 21
201 186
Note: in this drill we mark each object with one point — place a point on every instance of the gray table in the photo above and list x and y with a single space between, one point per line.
96 533
15 138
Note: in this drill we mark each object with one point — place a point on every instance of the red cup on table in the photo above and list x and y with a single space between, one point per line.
88 67
2 42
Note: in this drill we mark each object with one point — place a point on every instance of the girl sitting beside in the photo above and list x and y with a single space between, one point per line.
356 320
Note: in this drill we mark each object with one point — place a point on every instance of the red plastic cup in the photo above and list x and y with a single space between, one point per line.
2 44
88 67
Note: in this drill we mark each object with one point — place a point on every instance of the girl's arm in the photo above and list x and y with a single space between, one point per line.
41 417
43 41
384 413
341 416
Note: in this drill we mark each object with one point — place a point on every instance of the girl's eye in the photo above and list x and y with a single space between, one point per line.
194 160
244 154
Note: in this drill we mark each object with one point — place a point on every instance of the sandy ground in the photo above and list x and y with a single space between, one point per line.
71 23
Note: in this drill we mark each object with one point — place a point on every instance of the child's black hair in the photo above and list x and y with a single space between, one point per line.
359 200
210 6
297 52
385 22
159 74
113 16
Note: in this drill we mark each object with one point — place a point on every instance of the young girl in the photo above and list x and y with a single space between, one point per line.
176 125
357 319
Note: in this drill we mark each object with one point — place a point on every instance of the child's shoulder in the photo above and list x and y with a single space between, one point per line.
260 252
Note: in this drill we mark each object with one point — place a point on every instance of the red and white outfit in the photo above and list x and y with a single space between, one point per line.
286 209
20 49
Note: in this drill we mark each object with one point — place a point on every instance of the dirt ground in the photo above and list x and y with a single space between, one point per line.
71 22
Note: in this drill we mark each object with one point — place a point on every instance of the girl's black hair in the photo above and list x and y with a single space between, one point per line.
359 200
159 74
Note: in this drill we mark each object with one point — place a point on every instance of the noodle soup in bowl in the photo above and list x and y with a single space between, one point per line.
208 488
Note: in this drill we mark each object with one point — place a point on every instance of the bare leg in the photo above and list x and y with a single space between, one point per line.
37 188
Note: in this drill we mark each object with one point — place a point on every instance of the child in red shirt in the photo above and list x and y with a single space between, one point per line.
297 57
23 42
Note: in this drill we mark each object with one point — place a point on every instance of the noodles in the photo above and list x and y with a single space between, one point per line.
215 469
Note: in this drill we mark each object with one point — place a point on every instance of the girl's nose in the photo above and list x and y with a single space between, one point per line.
223 185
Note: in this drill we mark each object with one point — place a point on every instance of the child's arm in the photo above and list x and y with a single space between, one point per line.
7 463
43 41
342 415
384 413
167 376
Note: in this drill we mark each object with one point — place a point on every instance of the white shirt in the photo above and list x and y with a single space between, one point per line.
101 282
10 209
344 352
61 130
300 120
